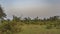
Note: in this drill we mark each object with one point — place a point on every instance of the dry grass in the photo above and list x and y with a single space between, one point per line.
37 29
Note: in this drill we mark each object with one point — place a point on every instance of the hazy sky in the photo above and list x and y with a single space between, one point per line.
31 8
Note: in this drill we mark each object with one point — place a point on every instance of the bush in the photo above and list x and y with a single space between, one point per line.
49 27
10 28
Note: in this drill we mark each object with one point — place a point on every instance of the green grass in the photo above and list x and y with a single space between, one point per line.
38 29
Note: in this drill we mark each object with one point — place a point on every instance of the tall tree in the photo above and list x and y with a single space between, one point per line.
2 14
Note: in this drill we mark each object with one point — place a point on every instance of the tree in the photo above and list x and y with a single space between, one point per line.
29 18
2 14
36 19
53 18
15 18
44 19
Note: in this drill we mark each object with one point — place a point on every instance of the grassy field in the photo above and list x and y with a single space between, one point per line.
38 29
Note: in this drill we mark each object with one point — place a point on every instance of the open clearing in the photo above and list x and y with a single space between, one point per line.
38 29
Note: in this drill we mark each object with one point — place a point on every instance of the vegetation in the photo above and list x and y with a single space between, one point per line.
16 25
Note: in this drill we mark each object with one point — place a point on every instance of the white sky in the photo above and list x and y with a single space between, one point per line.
31 8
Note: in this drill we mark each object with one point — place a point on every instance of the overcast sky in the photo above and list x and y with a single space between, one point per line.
31 8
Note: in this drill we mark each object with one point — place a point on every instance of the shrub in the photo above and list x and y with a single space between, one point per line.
10 28
49 27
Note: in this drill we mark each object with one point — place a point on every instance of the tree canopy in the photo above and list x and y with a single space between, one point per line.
2 14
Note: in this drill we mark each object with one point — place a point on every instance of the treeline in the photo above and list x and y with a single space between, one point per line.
52 22
15 25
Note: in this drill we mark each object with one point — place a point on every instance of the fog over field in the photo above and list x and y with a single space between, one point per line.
31 8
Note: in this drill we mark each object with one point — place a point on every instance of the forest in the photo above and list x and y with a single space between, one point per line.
27 25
